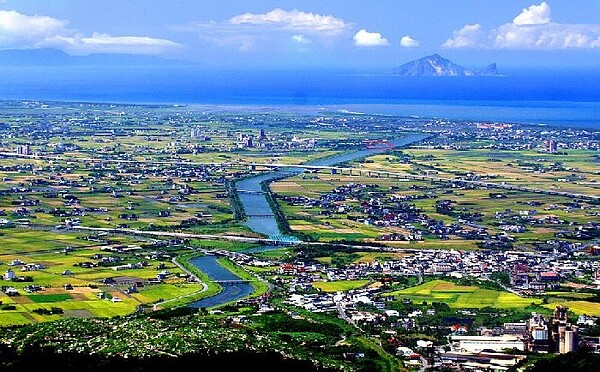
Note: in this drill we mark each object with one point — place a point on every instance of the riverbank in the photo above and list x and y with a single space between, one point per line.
209 288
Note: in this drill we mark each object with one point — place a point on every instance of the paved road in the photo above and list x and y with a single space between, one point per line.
204 285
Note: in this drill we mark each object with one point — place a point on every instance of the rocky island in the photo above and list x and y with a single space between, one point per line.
436 65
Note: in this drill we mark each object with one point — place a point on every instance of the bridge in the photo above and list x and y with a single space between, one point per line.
234 281
266 215
251 192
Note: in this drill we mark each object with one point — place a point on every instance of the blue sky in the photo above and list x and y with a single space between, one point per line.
313 34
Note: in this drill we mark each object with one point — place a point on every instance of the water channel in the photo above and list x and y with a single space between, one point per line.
261 219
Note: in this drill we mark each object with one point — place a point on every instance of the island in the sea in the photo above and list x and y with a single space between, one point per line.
436 65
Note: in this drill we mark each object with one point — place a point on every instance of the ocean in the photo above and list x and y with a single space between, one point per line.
556 98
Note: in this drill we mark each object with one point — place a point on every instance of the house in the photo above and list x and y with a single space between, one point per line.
9 275
10 291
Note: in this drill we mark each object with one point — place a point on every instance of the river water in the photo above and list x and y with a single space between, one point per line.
260 219
260 216
231 291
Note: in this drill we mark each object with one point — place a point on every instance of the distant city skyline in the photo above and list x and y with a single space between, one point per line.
313 34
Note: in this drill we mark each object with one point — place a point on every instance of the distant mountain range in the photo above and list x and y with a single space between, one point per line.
55 57
435 65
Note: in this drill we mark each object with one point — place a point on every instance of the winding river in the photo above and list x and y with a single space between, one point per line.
260 219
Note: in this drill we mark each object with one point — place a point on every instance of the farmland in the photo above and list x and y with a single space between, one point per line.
464 225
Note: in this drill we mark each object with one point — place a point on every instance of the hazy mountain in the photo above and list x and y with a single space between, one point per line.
490 70
55 57
435 65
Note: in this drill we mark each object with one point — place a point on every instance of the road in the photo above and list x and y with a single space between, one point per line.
339 170
204 285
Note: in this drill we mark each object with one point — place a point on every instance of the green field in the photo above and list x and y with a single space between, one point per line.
340 285
472 297
50 298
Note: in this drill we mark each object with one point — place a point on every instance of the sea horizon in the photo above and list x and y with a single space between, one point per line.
558 100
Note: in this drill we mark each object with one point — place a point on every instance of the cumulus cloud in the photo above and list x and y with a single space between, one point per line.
293 20
534 15
408 42
467 36
533 28
275 26
17 28
26 32
364 38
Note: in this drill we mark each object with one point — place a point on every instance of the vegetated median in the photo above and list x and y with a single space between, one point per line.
239 213
260 287
282 222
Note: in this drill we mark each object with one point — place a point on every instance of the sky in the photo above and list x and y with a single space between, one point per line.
313 34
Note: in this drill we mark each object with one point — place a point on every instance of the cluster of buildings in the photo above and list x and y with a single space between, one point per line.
500 136
530 273
554 334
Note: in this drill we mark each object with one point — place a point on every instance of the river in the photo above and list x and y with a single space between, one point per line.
231 291
260 216
255 204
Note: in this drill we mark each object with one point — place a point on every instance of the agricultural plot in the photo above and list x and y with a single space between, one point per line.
312 207
574 172
472 297
340 286
68 273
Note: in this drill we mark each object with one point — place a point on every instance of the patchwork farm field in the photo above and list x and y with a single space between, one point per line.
472 297
69 276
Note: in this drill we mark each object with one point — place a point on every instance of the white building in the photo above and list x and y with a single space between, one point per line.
9 275
475 344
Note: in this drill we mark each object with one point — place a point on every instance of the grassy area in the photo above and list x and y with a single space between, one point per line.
340 285
50 298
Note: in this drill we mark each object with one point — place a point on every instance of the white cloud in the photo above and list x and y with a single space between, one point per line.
25 32
548 36
293 20
301 39
533 28
118 44
408 42
17 28
534 15
467 36
365 38
277 26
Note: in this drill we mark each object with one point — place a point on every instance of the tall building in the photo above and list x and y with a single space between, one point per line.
196 132
23 150
564 334
261 135
248 142
551 146
539 338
